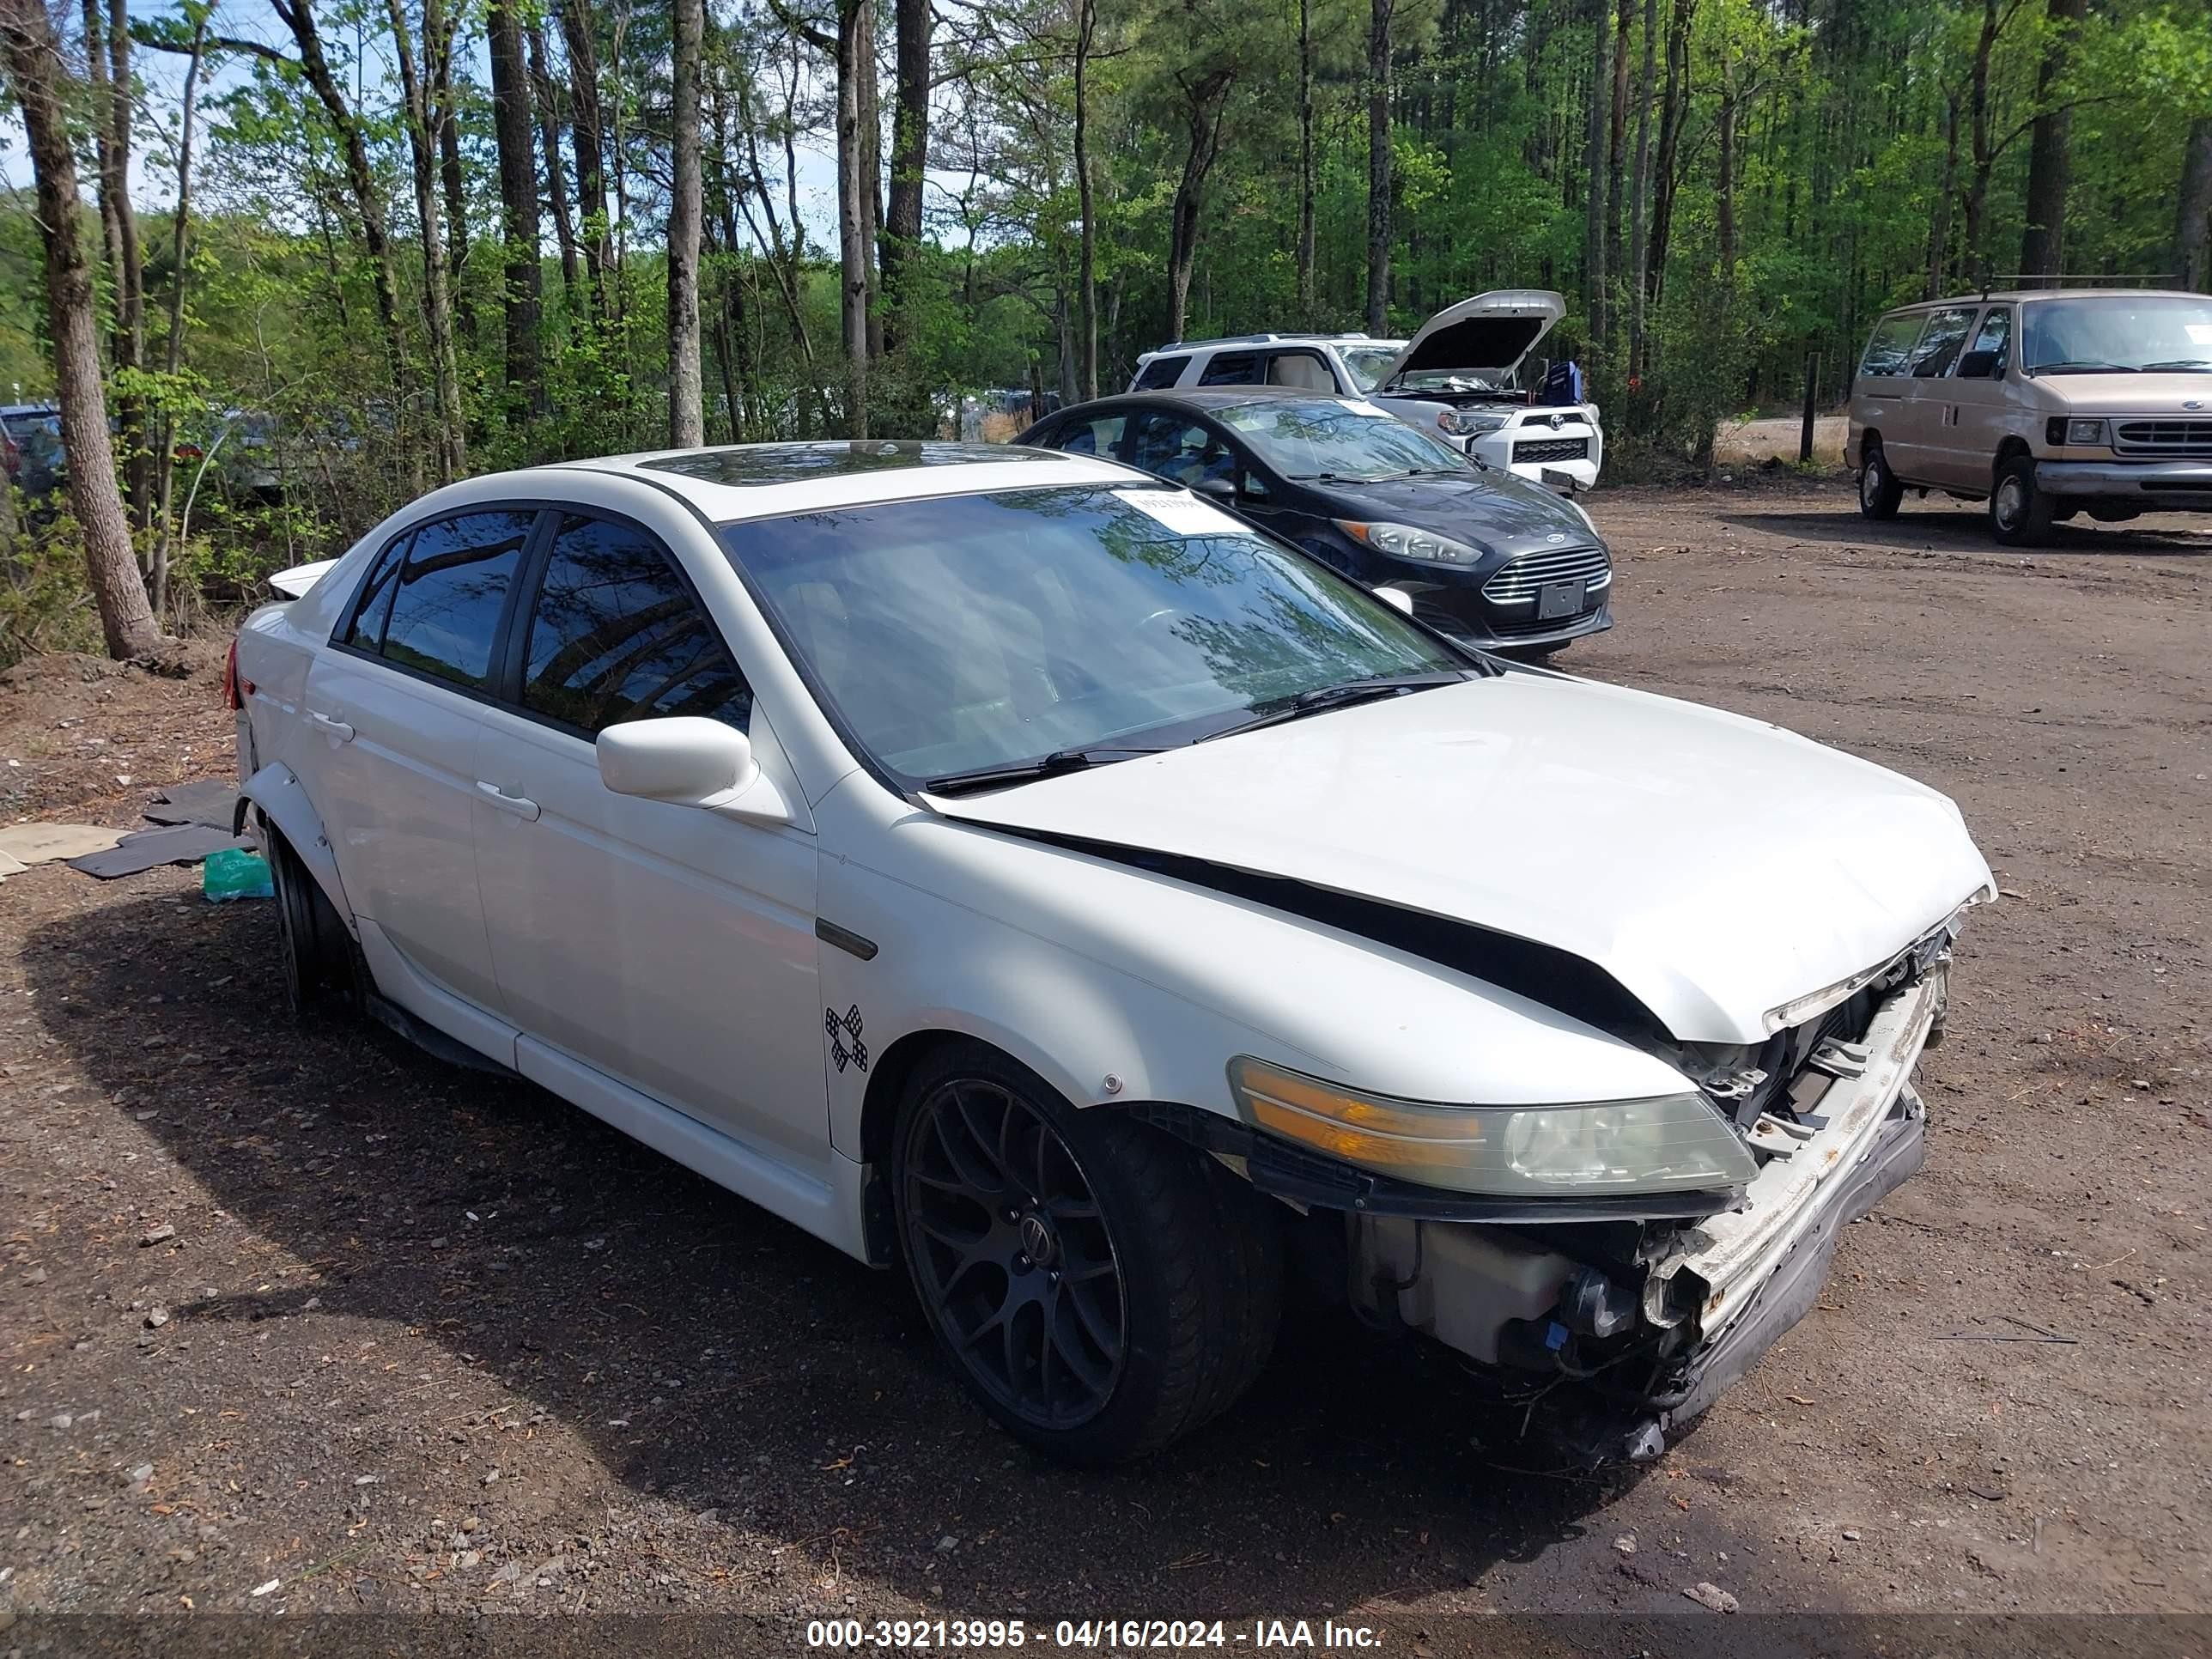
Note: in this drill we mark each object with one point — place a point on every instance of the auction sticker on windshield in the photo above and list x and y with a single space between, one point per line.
1182 513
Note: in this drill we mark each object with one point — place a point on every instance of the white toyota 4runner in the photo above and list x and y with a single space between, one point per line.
1458 378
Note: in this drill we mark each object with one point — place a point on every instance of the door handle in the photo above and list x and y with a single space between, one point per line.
335 729
521 805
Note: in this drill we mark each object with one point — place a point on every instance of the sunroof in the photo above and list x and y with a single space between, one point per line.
774 464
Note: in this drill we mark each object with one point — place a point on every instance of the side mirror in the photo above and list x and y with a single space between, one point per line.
1396 598
1216 490
1979 366
689 761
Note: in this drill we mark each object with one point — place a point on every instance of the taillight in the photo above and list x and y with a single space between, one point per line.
230 697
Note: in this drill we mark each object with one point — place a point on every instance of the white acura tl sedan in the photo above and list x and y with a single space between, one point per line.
1003 864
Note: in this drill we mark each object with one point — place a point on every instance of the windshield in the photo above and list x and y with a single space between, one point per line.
1328 438
976 631
1368 364
2122 331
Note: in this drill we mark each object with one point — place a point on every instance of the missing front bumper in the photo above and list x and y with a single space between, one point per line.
1535 1304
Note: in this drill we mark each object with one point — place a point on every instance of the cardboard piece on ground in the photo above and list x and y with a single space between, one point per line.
204 800
182 843
11 866
38 844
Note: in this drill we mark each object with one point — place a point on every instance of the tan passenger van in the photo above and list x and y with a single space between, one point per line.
2044 403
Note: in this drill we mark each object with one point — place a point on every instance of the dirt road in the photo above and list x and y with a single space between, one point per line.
426 1339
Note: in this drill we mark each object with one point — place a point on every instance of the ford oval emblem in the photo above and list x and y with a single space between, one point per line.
1555 537
2194 402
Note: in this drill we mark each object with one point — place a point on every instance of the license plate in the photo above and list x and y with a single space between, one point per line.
1555 599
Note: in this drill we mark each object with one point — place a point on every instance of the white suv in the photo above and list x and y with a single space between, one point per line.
1458 377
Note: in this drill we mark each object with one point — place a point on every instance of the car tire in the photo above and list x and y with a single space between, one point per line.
1101 1288
1880 493
317 952
2019 514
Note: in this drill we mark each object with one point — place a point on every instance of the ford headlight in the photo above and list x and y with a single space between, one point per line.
2085 432
1662 1144
1402 541
1468 426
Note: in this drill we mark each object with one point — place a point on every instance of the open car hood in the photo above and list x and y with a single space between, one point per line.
1488 335
1715 867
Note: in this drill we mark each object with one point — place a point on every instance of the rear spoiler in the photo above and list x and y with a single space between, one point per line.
293 584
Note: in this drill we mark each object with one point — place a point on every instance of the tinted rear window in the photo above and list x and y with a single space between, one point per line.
1161 373
445 616
1232 368
618 636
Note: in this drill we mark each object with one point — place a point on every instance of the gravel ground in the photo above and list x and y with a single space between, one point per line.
301 1320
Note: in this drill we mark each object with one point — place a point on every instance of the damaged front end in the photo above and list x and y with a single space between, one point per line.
1617 1318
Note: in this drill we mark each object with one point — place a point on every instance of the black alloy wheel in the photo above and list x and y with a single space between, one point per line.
1010 1251
1101 1287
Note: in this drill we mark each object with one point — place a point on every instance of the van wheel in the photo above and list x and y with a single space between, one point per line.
1880 493
1101 1288
318 956
2019 514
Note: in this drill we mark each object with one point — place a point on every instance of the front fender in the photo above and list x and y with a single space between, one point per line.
282 799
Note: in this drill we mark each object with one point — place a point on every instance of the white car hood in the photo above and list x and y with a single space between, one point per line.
1716 866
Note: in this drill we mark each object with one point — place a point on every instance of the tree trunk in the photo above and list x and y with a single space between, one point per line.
1601 100
32 58
2192 232
1974 255
588 138
1640 191
2042 244
546 97
1939 222
687 419
854 252
180 246
869 162
437 305
1306 186
1667 175
1202 105
438 26
1616 255
112 97
1724 126
914 20
298 15
1086 204
1378 165
522 286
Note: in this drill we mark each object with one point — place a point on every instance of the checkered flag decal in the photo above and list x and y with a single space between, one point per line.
841 1030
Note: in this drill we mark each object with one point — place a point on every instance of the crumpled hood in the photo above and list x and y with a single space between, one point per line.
1716 866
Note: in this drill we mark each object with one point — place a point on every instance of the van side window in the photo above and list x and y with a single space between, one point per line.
1891 347
1939 347
1992 347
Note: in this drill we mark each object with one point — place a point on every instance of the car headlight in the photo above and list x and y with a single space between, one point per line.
2085 432
1665 1143
1402 541
1468 426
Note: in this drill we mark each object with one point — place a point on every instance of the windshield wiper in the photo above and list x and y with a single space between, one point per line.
1322 698
1045 766
2084 367
2181 363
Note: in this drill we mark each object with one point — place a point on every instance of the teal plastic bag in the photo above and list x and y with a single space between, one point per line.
234 873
